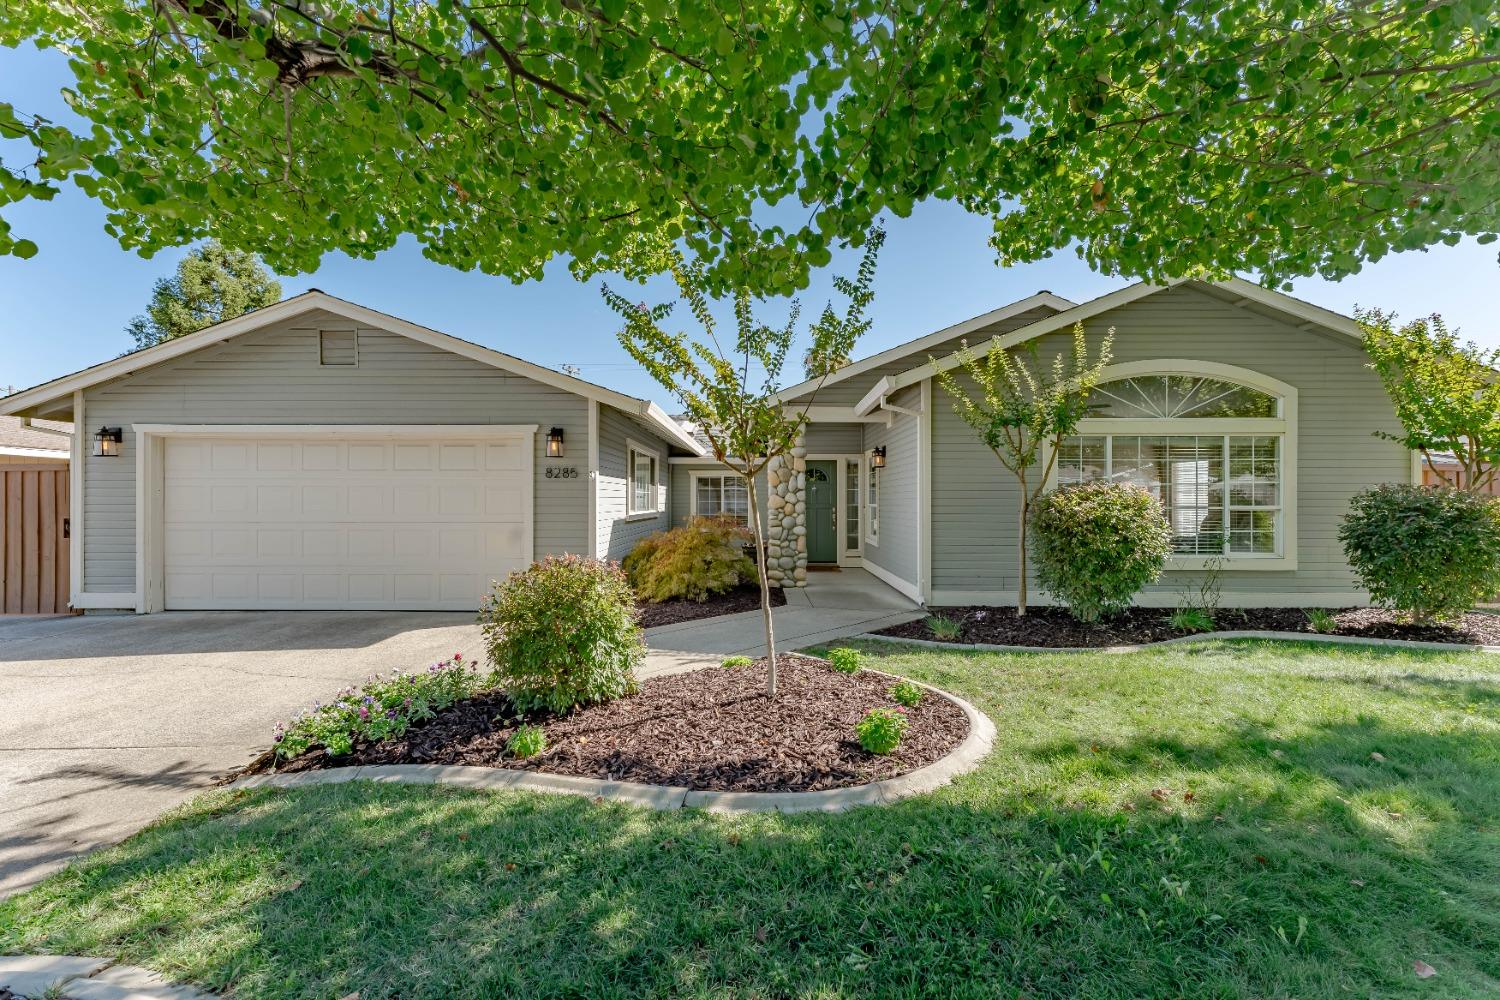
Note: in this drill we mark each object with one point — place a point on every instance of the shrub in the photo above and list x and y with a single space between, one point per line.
881 729
845 661
527 741
1191 620
702 558
1430 552
1097 544
563 633
906 693
736 662
381 708
1321 621
944 629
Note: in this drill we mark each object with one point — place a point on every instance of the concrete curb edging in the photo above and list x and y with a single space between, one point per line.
81 978
964 758
1337 640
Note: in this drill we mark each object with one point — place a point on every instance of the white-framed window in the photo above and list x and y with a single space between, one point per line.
852 505
642 496
721 493
872 502
1215 444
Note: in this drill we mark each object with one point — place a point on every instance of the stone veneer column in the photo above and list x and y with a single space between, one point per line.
786 537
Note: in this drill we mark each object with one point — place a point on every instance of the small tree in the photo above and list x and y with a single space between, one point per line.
212 284
1446 393
746 425
1022 404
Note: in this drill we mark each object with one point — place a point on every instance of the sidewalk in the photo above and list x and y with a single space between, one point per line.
832 606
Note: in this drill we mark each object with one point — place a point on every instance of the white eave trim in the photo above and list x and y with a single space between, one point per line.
19 452
450 431
309 301
1308 313
927 340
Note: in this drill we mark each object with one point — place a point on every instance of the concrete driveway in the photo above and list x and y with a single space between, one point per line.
105 722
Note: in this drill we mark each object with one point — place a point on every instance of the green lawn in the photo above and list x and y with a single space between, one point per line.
1298 866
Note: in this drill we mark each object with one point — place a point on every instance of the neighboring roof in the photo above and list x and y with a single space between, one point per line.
47 392
921 344
1237 290
695 430
43 439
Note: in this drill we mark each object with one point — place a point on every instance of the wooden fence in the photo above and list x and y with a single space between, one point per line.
33 539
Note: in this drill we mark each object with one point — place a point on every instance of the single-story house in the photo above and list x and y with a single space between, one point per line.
318 454
34 442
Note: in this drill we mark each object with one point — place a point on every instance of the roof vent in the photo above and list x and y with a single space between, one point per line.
338 348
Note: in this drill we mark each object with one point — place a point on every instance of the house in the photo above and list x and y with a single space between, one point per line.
36 442
1251 414
34 523
1443 469
316 454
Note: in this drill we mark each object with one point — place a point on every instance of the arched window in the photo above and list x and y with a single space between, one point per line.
1211 442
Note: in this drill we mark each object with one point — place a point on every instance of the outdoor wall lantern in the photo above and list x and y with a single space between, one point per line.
107 442
877 458
555 443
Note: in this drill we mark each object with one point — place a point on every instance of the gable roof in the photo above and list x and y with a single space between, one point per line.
1237 291
47 392
921 344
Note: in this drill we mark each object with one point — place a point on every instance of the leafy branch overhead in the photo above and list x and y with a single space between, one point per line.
1163 136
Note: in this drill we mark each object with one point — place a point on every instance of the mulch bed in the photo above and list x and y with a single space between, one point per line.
745 598
705 729
1051 628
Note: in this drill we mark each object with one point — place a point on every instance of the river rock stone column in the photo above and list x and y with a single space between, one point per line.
786 536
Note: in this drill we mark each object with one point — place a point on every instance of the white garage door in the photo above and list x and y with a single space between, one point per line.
342 524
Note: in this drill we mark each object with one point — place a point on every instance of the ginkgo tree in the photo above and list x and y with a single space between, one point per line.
728 389
1158 137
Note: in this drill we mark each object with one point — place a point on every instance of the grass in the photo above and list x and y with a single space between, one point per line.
1201 821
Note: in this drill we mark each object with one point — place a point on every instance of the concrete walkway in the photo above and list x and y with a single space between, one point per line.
833 605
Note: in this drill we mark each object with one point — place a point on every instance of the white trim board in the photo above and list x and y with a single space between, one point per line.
927 340
905 588
298 305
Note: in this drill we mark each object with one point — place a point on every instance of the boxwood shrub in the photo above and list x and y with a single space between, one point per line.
563 633
704 557
1431 552
1097 544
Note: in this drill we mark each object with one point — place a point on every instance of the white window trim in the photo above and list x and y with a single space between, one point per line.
871 492
632 448
323 361
1284 426
693 478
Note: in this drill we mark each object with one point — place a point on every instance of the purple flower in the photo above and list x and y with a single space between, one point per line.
364 713
391 714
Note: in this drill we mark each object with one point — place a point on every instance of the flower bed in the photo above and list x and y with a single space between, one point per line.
705 729
1055 628
742 598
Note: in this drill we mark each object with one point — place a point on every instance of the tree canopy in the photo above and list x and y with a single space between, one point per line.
212 283
1163 136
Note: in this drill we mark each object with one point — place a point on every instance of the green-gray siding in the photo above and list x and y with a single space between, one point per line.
897 549
619 531
1340 402
272 376
834 439
682 489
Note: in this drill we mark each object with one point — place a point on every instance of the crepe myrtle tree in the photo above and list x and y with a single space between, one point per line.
1018 406
1446 392
728 389
1156 137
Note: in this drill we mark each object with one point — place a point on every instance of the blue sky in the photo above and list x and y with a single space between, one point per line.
67 307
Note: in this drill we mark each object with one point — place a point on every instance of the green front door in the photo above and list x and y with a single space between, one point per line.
822 509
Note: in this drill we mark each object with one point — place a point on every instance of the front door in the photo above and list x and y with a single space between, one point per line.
822 506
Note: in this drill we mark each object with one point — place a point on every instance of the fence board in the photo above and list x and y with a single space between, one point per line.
33 547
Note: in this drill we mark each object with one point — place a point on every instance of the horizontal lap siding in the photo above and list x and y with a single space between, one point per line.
851 391
682 489
617 535
900 532
1341 404
834 439
272 376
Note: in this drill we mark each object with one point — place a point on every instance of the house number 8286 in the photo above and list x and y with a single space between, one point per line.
562 472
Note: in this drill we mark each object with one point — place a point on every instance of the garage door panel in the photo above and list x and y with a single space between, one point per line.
342 524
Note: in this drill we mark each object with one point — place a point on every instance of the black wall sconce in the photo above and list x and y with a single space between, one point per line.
555 443
877 458
107 442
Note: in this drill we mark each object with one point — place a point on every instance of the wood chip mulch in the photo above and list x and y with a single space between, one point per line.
705 729
1050 628
743 598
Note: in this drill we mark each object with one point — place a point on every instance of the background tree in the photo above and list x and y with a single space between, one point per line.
1446 393
212 284
1017 405
1158 137
721 391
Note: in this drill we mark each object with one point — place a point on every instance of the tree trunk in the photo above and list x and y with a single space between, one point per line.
765 590
1021 542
